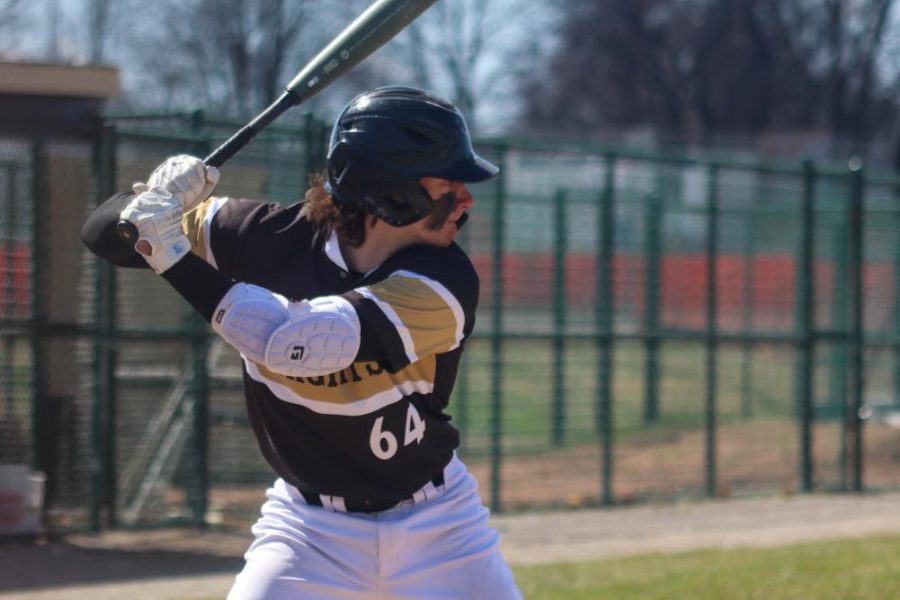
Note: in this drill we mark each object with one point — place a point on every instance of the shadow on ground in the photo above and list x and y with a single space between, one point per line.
27 565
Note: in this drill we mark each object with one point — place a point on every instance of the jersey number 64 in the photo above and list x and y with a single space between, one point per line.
384 443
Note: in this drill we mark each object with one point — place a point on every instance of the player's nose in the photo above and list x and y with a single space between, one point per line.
464 199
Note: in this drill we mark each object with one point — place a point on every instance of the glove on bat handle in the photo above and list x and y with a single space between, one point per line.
127 231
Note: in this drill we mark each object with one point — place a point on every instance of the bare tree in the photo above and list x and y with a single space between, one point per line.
98 19
235 56
701 70
680 67
853 33
12 18
66 32
472 51
231 56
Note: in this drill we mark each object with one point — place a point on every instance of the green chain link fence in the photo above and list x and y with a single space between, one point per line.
610 364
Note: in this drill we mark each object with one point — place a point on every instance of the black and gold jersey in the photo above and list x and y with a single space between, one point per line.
376 430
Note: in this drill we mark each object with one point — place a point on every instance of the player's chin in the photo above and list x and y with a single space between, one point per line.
443 241
451 230
444 235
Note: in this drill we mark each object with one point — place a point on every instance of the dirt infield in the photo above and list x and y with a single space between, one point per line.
754 457
190 564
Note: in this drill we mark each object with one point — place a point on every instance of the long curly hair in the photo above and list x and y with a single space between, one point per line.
326 215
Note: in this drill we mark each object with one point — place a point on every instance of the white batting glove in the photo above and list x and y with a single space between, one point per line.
185 177
156 214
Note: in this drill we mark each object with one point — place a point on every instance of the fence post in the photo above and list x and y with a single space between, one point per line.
197 120
856 262
712 243
653 253
749 277
499 220
103 474
604 326
199 380
199 390
9 340
896 340
838 372
38 315
805 324
558 418
324 139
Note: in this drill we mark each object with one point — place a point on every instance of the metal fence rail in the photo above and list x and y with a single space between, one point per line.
650 327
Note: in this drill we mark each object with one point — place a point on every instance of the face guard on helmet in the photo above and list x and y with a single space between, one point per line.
386 140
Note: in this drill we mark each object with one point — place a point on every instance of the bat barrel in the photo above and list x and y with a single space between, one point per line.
369 31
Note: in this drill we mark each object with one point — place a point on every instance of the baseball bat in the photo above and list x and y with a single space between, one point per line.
383 20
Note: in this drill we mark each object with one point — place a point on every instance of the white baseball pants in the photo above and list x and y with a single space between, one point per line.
435 547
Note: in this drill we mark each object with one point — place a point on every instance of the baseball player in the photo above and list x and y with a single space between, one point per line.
350 310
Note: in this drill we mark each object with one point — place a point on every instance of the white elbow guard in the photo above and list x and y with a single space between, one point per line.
246 317
322 336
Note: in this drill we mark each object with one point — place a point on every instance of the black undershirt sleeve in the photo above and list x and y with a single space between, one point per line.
199 283
192 277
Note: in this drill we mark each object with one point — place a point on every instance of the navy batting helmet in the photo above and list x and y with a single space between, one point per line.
387 139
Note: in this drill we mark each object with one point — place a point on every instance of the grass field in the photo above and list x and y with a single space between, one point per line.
760 387
862 569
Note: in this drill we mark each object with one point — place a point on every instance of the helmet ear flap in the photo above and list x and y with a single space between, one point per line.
393 199
342 182
338 165
353 183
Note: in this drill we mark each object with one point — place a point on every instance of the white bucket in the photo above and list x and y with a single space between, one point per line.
21 499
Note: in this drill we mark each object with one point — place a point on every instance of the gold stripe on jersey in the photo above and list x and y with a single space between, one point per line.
428 318
361 388
196 227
